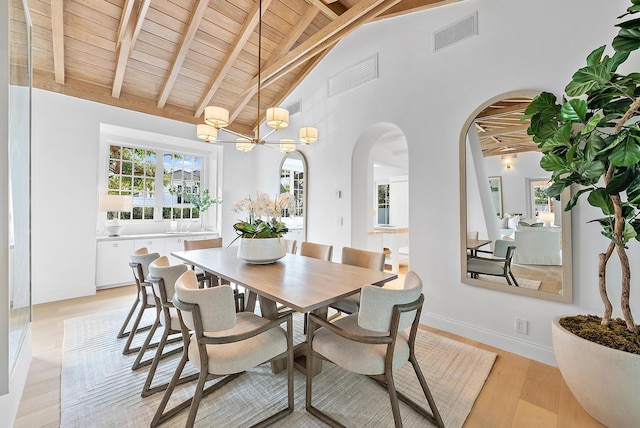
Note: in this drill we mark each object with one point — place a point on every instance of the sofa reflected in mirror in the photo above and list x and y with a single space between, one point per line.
535 226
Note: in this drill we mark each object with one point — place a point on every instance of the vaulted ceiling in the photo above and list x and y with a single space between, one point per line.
172 58
501 129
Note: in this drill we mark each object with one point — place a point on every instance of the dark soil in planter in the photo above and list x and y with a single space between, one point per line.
614 336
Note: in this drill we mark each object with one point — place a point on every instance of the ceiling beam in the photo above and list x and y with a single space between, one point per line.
185 45
501 111
323 8
102 94
127 9
238 45
304 21
410 6
504 131
57 35
126 46
349 21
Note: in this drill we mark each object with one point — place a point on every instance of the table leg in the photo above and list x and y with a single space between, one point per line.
269 311
250 305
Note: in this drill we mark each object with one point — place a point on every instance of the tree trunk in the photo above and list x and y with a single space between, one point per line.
602 282
624 264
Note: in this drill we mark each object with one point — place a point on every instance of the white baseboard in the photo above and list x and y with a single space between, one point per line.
42 296
543 354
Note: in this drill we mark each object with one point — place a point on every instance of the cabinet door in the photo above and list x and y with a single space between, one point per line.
112 263
153 245
171 245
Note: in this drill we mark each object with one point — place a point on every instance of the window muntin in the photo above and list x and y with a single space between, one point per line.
137 171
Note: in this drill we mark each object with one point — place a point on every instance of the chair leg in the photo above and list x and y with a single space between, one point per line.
134 329
147 390
437 419
160 416
514 279
393 397
139 362
122 333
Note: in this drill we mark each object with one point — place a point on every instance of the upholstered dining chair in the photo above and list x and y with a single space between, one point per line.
373 342
318 251
498 265
139 263
224 344
208 278
204 278
361 258
162 277
291 245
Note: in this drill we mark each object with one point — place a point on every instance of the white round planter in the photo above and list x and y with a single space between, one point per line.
605 381
261 251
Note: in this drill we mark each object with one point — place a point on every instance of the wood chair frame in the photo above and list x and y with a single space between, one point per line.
386 380
204 376
506 267
165 303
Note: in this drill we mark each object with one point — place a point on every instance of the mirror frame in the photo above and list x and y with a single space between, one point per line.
306 186
567 263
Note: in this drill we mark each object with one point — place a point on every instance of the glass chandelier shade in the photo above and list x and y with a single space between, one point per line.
308 134
244 144
277 118
287 145
218 117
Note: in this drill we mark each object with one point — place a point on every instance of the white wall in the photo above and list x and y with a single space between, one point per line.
65 145
429 96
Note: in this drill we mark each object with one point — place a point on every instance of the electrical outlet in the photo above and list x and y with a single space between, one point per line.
522 326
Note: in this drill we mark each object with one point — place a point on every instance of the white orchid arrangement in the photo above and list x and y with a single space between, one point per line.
263 215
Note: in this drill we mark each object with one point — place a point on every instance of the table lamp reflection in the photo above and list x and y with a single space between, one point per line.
115 204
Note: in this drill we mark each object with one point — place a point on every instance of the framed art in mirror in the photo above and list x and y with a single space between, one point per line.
494 202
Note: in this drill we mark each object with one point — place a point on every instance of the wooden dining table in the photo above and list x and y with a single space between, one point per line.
304 284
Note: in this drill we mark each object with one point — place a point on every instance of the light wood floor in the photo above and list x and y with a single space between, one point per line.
518 393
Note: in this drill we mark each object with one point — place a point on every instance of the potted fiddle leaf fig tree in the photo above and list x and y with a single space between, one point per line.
591 141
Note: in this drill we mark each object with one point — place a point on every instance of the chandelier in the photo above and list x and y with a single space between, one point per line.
217 118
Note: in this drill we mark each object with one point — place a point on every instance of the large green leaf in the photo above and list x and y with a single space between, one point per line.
592 170
552 162
595 57
627 40
591 124
574 199
600 199
586 79
545 101
621 181
626 154
628 233
593 146
633 192
574 110
556 189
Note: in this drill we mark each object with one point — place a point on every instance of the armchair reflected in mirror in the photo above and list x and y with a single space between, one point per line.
293 179
495 151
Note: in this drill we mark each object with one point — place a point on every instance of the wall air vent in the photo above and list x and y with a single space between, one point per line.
354 76
294 108
456 32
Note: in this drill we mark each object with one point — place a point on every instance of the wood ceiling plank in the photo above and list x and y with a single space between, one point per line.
93 39
242 38
96 17
57 30
185 45
150 59
161 32
173 22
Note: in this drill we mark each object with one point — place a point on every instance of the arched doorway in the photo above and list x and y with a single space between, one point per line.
380 167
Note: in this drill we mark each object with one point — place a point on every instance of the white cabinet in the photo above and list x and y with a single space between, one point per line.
112 255
153 245
112 263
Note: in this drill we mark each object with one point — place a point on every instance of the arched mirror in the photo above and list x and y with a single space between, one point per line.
293 179
512 237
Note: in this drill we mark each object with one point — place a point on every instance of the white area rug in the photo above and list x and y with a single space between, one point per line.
522 282
99 389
